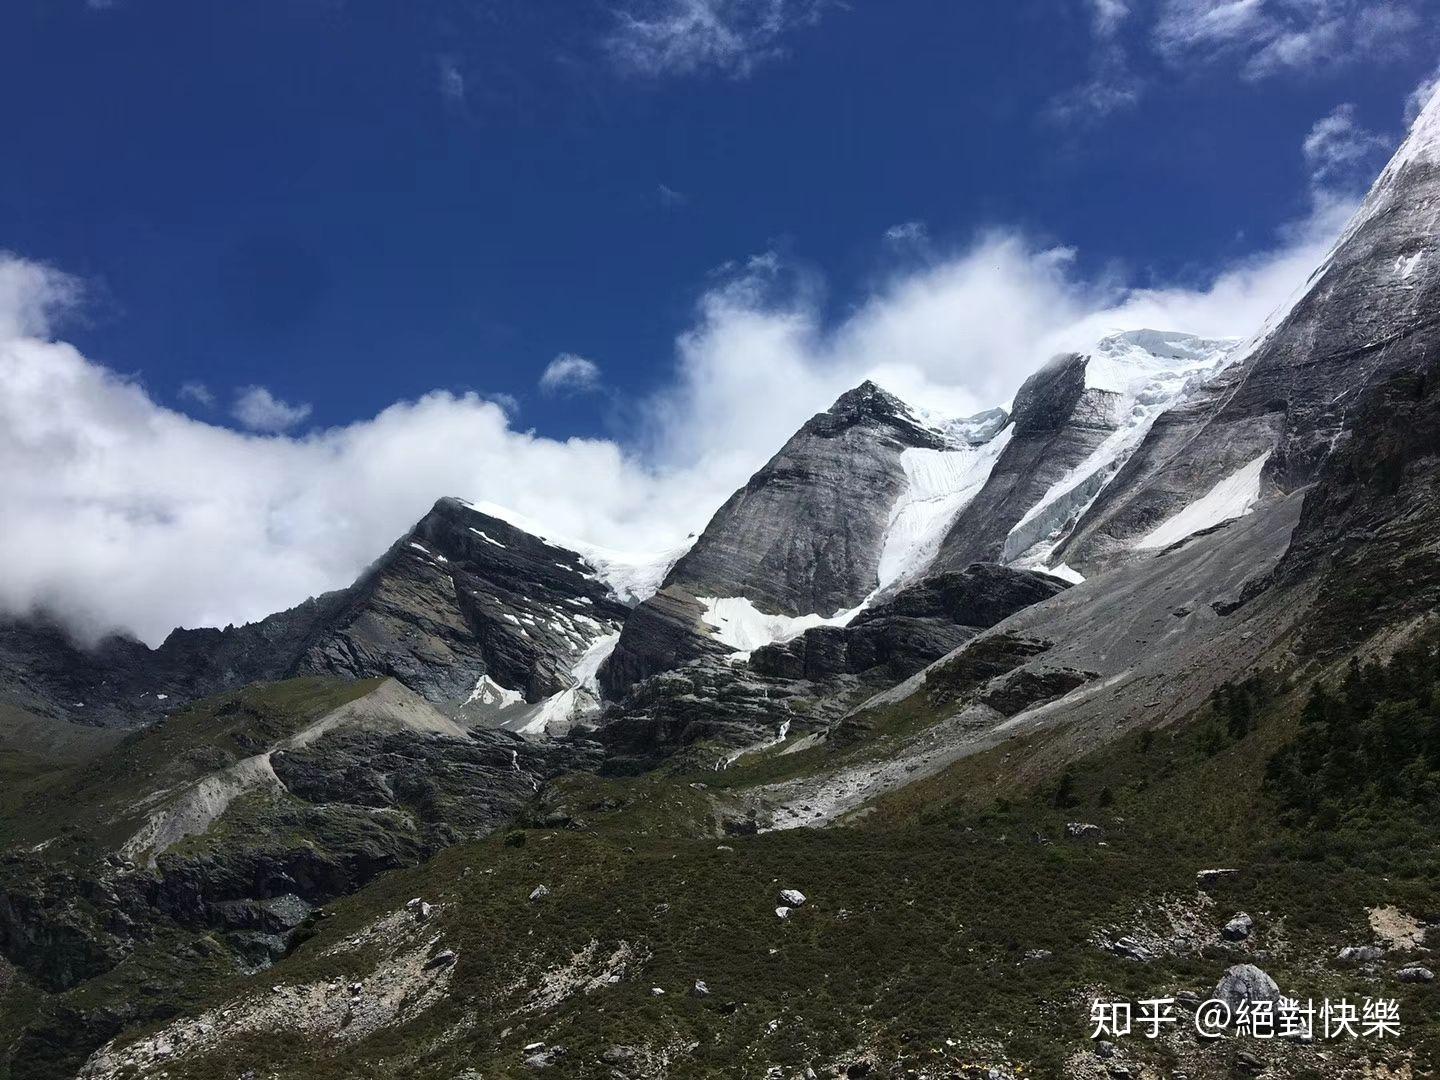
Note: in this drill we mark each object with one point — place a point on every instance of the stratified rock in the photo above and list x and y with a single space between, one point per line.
460 596
919 624
1056 424
804 535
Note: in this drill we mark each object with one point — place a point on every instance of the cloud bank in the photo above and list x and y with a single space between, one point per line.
123 514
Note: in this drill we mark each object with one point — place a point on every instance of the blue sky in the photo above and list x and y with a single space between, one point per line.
351 203
280 274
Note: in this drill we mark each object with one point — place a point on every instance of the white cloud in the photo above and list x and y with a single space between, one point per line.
670 198
122 513
32 295
259 410
907 232
1107 15
1271 37
509 402
570 374
1340 152
683 37
1112 85
198 393
1421 95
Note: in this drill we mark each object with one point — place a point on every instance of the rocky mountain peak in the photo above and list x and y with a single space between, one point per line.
870 404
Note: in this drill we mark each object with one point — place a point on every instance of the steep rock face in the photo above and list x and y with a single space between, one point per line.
465 595
1290 396
1370 527
917 625
462 595
1058 422
787 689
663 633
805 534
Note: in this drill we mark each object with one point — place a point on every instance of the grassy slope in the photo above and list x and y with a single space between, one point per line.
101 801
93 805
919 919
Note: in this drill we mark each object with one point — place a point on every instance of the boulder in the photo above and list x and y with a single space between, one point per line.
1414 973
1083 830
443 959
1130 949
792 897
1360 954
1245 982
539 893
1207 878
1238 928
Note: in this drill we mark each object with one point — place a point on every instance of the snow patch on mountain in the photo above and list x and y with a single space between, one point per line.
560 712
939 484
1151 371
488 692
963 431
742 626
1151 366
632 576
1233 497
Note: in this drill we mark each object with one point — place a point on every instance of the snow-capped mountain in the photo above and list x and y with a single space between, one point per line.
1287 395
1075 424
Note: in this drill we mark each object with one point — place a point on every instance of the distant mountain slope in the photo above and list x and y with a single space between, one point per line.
465 609
1290 395
806 532
808 535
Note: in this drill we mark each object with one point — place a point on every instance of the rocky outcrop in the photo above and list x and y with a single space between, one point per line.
1057 423
805 533
464 595
705 697
713 704
917 625
663 633
119 682
803 536
461 595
